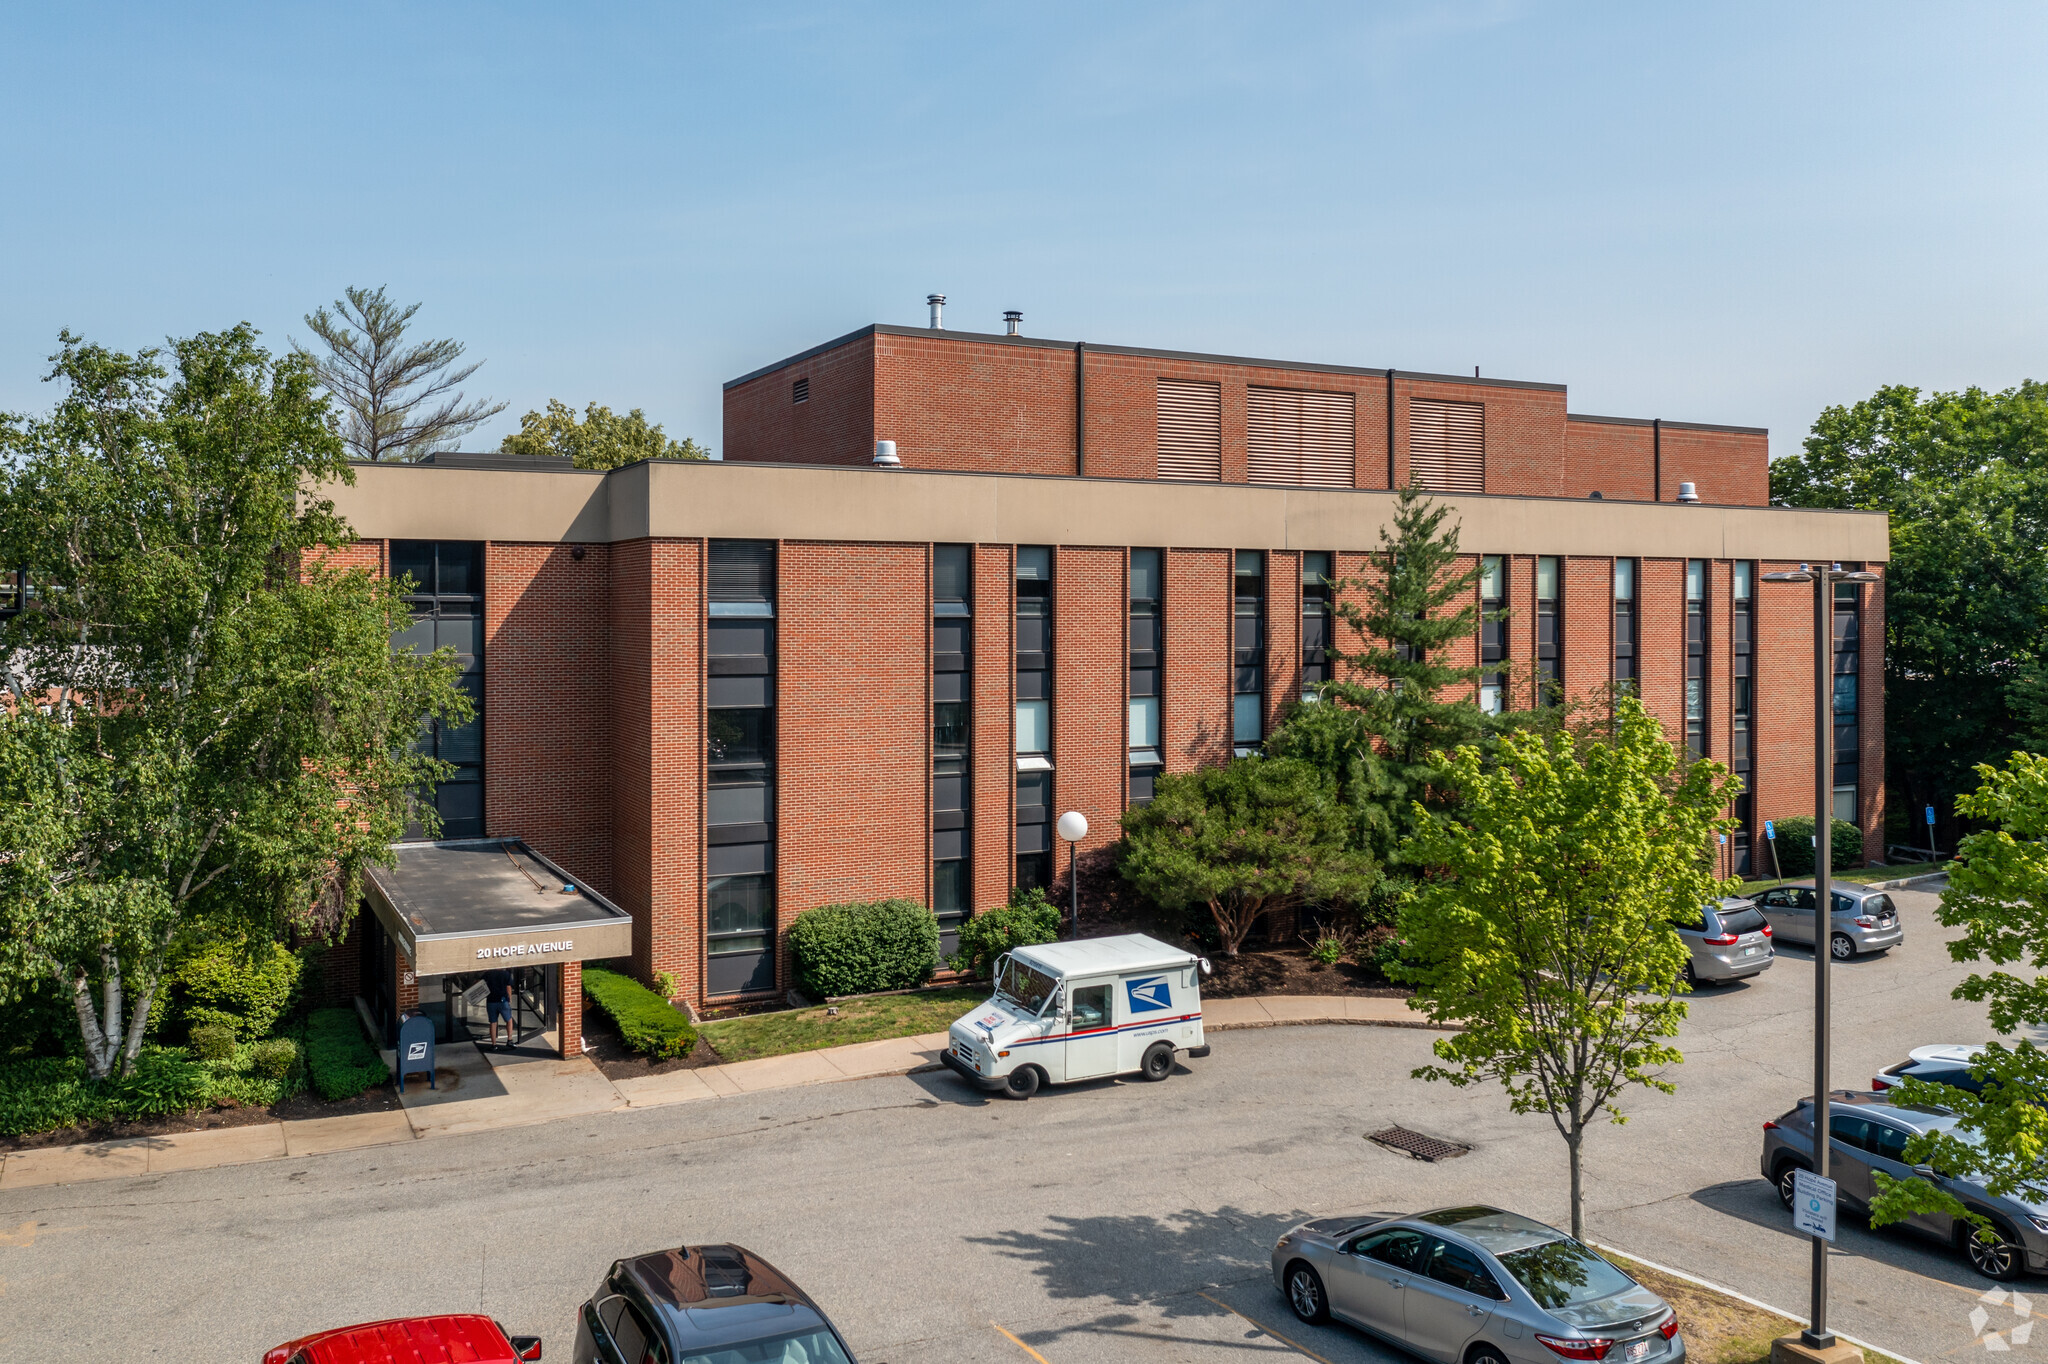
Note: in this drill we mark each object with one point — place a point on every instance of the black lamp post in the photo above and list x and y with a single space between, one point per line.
1823 579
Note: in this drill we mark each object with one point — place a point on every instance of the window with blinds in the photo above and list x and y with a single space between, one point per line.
1299 439
1447 445
1190 430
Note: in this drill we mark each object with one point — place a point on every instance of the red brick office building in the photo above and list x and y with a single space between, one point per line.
720 694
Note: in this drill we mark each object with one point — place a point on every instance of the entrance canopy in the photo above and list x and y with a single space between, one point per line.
473 904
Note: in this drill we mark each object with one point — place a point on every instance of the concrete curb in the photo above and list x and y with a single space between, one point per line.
423 1121
1906 883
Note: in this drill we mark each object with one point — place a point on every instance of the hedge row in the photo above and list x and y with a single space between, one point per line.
48 1092
1030 918
1795 847
340 1062
864 947
649 1024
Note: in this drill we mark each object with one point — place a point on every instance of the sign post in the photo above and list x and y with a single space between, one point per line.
1771 837
1933 853
1813 1204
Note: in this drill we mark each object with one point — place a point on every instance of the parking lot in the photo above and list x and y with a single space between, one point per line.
1106 1222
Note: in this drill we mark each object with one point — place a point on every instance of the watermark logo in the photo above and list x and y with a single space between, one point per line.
2005 1339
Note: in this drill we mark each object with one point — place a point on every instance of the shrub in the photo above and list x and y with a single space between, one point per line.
340 1062
213 1042
1327 949
648 1023
247 986
1795 845
165 1080
46 1092
1390 956
864 947
274 1057
1029 918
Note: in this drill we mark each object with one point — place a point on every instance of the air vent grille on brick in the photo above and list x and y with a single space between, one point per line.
1299 439
1447 445
800 391
742 570
1190 430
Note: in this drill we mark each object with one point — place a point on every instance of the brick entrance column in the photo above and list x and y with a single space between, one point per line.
571 1023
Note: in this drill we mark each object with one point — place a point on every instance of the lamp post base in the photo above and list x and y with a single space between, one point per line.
1805 1348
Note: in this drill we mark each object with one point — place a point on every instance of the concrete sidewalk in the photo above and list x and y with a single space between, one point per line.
490 1090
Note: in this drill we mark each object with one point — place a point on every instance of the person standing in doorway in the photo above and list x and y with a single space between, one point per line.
498 1003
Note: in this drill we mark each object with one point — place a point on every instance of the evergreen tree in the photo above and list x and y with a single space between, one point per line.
1379 730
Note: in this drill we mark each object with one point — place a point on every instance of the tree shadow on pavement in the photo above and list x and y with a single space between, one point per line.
1162 1263
1756 1202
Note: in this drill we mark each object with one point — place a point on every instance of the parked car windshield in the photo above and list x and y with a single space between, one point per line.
1748 919
1879 905
812 1347
1562 1272
1025 986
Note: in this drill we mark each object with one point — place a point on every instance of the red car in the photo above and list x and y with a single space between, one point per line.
410 1340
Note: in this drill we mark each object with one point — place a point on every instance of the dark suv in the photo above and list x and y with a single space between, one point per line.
704 1305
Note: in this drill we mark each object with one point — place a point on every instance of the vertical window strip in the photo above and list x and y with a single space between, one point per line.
1318 574
1550 630
1696 657
1493 633
952 728
1146 644
1248 641
1033 716
1742 709
740 802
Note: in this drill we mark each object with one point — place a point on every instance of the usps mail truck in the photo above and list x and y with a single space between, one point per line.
1084 1010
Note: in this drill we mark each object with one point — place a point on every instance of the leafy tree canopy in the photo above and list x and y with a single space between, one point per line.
1998 896
601 440
1547 907
1243 839
206 730
1964 477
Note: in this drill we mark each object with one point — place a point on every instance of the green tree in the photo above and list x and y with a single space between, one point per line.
1380 728
602 440
206 726
398 401
1998 895
1242 840
1547 915
1964 477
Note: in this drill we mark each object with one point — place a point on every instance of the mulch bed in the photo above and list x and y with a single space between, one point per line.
1291 971
603 1047
381 1099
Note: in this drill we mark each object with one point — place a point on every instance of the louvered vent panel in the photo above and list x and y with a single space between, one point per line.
1299 439
1447 445
1190 430
742 570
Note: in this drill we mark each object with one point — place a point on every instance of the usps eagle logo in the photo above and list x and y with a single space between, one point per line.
1149 995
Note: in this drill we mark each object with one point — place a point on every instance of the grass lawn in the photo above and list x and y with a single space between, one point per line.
1897 871
1718 1329
859 1020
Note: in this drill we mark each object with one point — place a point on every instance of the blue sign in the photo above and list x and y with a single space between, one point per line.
1149 995
416 1050
1771 830
1930 816
1724 840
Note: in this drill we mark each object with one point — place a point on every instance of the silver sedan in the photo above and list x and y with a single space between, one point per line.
1473 1286
1863 920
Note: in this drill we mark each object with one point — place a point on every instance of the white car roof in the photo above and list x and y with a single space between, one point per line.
1961 1054
1090 956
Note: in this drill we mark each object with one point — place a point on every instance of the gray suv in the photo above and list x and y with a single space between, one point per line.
1863 920
1870 1134
1731 941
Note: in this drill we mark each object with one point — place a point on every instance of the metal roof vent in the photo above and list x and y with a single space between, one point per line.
1013 322
938 302
1686 493
885 455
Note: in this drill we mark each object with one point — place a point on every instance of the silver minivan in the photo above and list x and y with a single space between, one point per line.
1731 942
1863 920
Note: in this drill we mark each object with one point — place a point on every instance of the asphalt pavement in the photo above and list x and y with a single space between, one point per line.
1107 1222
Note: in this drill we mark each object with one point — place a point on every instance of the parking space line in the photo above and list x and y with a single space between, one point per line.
1019 1344
1298 1349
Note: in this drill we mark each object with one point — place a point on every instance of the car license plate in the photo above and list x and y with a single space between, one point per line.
1638 1349
1749 951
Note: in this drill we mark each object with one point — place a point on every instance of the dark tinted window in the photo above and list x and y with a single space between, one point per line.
1563 1272
1880 905
1956 1076
951 573
743 570
1747 920
1400 1247
1888 1142
1850 1130
1460 1268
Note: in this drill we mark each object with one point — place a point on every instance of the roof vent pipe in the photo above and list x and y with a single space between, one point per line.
1013 322
885 455
1686 493
938 302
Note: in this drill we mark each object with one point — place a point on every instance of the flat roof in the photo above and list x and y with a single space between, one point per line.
464 903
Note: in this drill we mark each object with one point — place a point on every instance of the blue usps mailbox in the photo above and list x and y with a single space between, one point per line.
416 1049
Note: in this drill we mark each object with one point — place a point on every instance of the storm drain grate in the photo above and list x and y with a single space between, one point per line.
1415 1144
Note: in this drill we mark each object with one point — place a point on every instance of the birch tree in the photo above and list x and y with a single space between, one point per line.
204 726
1541 925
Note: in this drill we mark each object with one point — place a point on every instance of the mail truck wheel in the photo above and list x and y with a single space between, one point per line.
1158 1062
1022 1083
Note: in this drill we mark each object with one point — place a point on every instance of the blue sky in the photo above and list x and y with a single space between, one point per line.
1717 213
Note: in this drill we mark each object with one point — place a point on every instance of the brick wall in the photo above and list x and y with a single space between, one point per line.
1784 699
994 767
1588 629
1091 668
1524 433
1195 711
1729 468
955 404
853 733
1660 654
1521 569
570 1024
1283 634
547 681
1611 458
836 425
